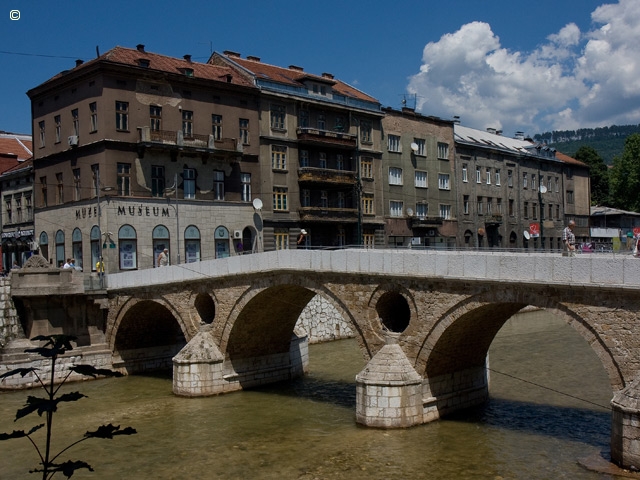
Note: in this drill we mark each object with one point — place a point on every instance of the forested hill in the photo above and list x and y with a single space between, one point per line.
607 141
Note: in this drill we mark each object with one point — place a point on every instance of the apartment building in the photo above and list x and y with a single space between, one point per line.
419 188
136 152
320 151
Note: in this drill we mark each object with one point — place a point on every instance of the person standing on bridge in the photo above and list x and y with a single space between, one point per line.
569 240
301 241
163 258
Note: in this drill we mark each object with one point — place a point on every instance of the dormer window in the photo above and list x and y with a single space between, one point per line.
144 62
188 72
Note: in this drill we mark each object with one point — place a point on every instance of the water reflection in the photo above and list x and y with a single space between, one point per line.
306 429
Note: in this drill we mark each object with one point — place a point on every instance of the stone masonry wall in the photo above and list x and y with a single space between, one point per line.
9 322
322 322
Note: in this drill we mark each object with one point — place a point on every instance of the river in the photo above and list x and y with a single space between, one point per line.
306 429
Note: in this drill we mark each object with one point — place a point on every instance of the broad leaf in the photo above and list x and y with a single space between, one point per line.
90 370
67 468
20 433
42 405
21 371
110 431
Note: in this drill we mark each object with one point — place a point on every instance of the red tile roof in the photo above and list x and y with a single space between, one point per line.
567 159
295 76
16 144
19 166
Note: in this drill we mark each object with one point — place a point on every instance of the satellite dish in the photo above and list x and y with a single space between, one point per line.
414 147
410 212
543 189
257 204
526 235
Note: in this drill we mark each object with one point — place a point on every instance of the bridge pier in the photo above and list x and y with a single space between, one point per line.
200 368
625 426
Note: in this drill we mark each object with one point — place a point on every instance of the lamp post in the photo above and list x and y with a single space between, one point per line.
175 187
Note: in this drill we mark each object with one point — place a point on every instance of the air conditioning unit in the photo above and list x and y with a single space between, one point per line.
431 232
73 140
237 234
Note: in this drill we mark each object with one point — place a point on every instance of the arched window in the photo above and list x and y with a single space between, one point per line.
221 235
43 241
192 244
76 246
160 236
60 258
128 248
95 246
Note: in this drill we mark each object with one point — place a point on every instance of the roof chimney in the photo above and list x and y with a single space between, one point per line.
296 68
140 47
327 75
229 53
491 130
79 62
456 119
187 58
251 57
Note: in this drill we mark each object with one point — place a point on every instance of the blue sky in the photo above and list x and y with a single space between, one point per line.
508 64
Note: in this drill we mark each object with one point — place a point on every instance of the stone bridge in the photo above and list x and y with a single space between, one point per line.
424 321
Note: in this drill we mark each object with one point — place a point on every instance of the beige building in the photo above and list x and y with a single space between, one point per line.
418 179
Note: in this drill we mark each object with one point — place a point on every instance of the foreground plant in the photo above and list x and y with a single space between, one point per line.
54 346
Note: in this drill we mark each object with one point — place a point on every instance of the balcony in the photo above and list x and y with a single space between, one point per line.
315 136
327 176
493 220
324 214
426 222
168 140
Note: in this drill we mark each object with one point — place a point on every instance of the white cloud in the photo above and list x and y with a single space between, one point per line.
572 80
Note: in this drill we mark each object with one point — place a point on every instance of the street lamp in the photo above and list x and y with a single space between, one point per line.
175 187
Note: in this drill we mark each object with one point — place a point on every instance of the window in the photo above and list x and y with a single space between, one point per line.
422 210
366 167
443 181
421 146
365 131
550 212
339 162
43 191
341 202
533 182
278 157
570 198
549 183
281 238
303 119
499 206
124 179
478 175
322 160
445 212
511 208
510 178
76 121
524 180
60 189
244 131
368 240
157 181
489 206
324 199
155 118
557 212
443 151
128 248
465 175
277 117
322 123
480 206
18 201
218 185
95 173
465 204
187 123
421 179
122 116
396 208
245 180
367 204
56 120
525 210
304 158
488 172
28 207
306 197
8 208
216 126
395 176
498 177
189 183
93 111
280 199
338 126
76 184
534 211
393 143
41 128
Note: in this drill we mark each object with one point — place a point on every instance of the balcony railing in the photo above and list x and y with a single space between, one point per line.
327 214
179 139
426 222
315 135
325 175
493 220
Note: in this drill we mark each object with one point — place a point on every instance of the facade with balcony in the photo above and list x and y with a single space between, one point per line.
136 152
419 191
320 151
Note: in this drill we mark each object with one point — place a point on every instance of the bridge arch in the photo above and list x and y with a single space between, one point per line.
395 307
461 338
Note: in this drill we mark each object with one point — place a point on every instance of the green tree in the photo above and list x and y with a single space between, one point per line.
53 347
625 176
598 173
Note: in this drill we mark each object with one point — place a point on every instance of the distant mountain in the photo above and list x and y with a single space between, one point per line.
607 141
